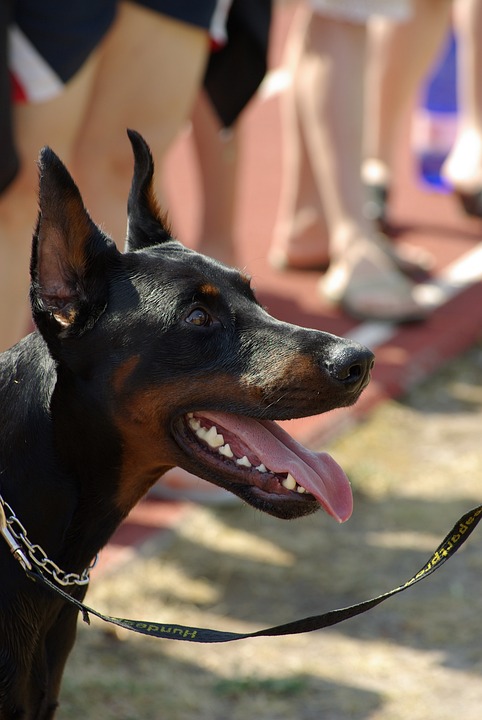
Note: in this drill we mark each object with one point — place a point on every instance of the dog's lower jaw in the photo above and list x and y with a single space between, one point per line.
221 457
287 507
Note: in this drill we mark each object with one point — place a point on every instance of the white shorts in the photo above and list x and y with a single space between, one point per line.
360 11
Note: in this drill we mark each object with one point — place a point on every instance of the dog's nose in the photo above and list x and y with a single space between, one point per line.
351 365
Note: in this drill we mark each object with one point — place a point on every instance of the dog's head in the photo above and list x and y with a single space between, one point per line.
180 359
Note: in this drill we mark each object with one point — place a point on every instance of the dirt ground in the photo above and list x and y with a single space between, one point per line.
415 466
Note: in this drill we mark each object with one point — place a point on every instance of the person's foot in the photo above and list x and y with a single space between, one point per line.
367 285
300 245
307 249
411 260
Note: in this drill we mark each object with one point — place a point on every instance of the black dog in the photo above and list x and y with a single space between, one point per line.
141 361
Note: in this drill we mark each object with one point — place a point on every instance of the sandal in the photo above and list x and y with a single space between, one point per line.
384 295
412 261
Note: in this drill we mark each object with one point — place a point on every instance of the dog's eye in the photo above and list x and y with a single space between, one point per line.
199 317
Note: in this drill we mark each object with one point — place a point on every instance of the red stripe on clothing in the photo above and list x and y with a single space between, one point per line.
18 93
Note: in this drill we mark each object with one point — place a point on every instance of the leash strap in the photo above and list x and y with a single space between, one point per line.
448 547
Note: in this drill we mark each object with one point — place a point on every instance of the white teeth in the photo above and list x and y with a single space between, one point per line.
213 438
201 433
289 482
226 451
216 441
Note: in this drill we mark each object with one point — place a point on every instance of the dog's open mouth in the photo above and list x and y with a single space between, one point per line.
260 462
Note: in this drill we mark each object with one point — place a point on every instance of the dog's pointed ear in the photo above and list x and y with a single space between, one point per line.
69 256
147 224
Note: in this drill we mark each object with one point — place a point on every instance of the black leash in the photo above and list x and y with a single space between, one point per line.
448 547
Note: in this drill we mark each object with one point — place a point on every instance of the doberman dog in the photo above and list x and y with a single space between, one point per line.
141 361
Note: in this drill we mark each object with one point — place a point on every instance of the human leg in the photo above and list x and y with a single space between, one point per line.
217 154
410 45
300 238
54 122
329 96
148 78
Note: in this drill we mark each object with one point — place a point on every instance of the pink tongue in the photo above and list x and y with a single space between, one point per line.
318 473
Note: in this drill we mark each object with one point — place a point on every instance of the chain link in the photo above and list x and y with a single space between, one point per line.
37 555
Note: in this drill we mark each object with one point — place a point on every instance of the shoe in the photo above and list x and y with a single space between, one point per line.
413 261
178 485
416 263
371 289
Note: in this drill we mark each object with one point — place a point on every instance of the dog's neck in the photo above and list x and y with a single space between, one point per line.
59 499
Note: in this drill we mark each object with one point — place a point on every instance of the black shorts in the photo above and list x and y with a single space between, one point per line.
51 39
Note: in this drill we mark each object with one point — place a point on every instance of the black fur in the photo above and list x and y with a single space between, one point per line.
93 403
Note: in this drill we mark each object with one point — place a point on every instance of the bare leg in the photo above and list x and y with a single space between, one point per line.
217 154
463 167
148 79
329 96
329 87
300 235
411 45
52 123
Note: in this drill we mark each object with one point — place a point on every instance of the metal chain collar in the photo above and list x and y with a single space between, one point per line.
15 535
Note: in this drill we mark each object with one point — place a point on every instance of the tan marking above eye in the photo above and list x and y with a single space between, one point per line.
208 289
